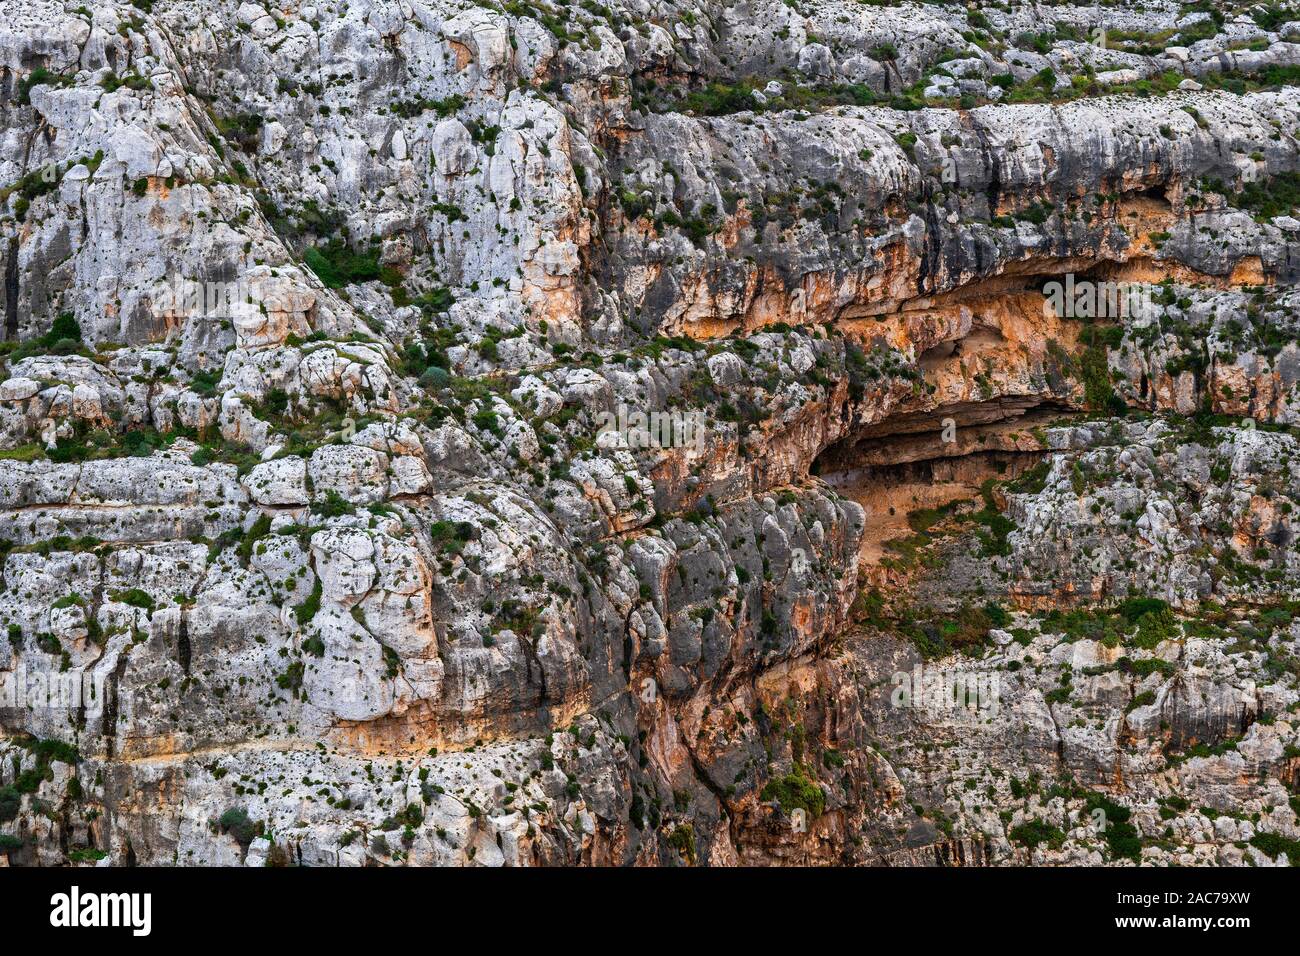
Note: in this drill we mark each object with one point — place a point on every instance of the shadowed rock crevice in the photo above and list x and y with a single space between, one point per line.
931 461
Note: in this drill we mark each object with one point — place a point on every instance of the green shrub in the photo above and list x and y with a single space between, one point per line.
305 611
435 377
1274 845
336 265
205 383
796 789
719 99
63 338
682 839
1133 609
259 530
1121 836
997 614
38 77
1036 833
236 822
140 442
1275 196
993 535
435 301
333 505
49 750
1154 627
135 598
10 802
291 679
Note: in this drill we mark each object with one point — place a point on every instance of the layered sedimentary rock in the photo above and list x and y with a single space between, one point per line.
654 433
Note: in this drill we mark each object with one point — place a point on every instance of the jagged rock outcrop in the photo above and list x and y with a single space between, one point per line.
507 434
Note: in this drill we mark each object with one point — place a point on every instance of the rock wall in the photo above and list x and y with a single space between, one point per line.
531 434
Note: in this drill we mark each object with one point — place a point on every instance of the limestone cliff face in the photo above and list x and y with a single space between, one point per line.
516 434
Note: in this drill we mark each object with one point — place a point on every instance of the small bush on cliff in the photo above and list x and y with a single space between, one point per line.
10 801
259 530
1133 609
333 505
305 611
236 822
993 535
1275 196
49 750
1154 628
796 789
1274 845
997 615
63 338
682 839
1032 480
1038 832
1121 836
336 265
1098 393
135 598
291 679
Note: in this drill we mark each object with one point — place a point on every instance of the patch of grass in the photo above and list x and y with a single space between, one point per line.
29 452
333 505
135 598
10 803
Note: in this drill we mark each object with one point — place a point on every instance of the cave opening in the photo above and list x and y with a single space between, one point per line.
931 460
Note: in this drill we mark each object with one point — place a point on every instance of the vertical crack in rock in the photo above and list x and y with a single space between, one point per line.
183 649
11 290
